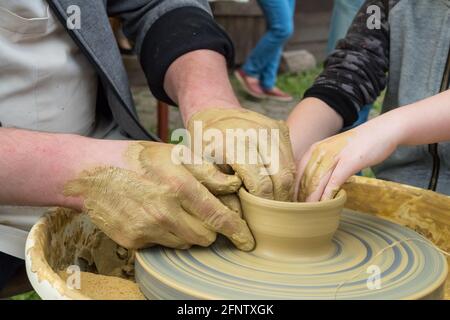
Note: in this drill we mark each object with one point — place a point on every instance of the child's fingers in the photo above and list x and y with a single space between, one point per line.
340 174
300 172
316 195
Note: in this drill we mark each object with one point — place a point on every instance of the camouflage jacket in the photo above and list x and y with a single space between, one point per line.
407 52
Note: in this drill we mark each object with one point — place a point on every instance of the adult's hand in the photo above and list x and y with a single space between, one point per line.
158 199
269 175
198 80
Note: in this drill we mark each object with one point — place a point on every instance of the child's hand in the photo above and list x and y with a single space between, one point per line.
330 162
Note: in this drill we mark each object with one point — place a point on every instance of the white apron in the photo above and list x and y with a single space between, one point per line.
46 84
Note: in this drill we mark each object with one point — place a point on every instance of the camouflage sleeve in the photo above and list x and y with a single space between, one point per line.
355 72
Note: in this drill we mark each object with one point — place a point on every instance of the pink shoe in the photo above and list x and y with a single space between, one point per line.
278 95
249 84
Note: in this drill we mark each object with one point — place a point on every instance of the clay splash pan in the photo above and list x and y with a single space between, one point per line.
303 251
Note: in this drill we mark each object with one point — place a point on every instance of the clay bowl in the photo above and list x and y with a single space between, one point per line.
292 230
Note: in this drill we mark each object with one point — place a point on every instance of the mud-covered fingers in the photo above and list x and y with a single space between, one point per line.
162 237
240 151
328 154
225 168
343 170
316 194
301 166
324 159
288 163
277 154
192 230
212 178
152 227
276 172
232 202
166 239
255 180
174 219
209 174
170 240
307 167
199 202
253 173
317 173
316 177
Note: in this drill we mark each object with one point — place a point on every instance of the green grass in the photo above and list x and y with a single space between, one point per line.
378 103
294 84
297 84
27 296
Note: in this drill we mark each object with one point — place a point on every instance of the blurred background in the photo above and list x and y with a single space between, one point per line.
245 23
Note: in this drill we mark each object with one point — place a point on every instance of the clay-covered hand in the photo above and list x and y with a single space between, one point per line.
158 199
261 155
329 163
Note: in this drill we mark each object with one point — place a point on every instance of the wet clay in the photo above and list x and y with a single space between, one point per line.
426 212
100 287
292 230
322 161
151 203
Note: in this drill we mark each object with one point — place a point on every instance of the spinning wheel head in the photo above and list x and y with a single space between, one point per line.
410 270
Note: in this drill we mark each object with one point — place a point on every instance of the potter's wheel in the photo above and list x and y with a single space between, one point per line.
411 270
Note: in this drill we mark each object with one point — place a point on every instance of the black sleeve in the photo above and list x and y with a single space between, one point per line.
174 34
355 72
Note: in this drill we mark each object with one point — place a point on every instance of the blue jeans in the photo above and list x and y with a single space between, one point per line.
264 60
344 11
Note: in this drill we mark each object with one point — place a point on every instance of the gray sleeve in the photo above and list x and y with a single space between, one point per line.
139 15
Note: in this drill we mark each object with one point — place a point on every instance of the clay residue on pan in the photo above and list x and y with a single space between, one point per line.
40 266
65 237
100 287
426 212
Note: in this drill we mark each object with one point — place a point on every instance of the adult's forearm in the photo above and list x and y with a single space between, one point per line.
34 167
312 120
199 80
